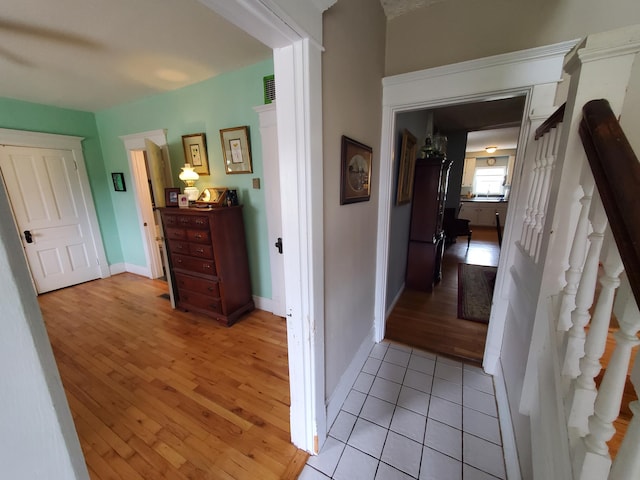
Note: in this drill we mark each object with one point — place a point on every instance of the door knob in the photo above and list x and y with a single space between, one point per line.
278 245
28 237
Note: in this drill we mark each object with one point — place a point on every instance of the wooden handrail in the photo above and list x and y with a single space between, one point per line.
555 118
616 172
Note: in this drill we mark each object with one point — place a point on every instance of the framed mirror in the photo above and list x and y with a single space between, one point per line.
214 196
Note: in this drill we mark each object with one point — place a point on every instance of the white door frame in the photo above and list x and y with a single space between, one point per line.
21 138
534 72
134 144
294 30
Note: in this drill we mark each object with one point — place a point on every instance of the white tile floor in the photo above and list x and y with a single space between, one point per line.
412 414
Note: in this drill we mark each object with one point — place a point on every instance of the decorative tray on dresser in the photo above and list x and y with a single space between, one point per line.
208 261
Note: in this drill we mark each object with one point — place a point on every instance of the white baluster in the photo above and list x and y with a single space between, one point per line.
528 220
627 462
577 254
544 193
536 194
584 393
574 345
591 458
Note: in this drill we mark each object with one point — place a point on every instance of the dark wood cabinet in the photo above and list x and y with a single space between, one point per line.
426 237
208 261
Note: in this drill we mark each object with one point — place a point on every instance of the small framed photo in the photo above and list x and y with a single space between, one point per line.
355 181
118 182
171 197
183 200
236 150
406 168
195 152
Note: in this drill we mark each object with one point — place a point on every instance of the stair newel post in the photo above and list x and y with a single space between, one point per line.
577 253
584 388
592 452
627 462
532 193
552 149
584 298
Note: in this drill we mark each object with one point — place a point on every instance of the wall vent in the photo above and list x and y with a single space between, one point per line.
269 89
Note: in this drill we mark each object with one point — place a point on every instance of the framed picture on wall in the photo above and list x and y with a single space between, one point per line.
236 150
195 152
118 182
406 168
355 173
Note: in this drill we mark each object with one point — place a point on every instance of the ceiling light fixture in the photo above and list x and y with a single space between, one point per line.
491 149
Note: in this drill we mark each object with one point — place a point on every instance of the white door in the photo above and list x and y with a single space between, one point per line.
157 172
271 163
45 193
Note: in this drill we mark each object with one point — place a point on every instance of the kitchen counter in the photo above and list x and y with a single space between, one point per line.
484 200
481 211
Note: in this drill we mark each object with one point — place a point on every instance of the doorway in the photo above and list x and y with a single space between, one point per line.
468 128
150 172
491 78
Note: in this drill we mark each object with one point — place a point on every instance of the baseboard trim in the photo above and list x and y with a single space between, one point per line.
347 380
117 268
262 303
138 270
511 461
393 303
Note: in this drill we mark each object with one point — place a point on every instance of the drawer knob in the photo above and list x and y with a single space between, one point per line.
200 250
210 288
179 260
198 236
206 266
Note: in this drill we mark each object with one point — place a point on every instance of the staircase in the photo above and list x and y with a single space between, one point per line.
574 266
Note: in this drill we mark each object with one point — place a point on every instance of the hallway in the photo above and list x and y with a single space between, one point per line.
428 320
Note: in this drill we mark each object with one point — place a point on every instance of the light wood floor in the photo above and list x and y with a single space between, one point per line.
428 320
160 394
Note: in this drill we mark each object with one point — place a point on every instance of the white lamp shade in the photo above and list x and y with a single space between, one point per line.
188 175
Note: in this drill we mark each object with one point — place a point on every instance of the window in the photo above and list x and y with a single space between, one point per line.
489 180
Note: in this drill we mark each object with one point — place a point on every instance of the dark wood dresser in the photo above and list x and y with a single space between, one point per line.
208 261
426 236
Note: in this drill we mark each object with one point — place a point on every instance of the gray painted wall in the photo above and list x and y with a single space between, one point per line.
400 216
352 70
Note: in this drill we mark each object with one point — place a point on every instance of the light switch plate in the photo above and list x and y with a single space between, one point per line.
256 183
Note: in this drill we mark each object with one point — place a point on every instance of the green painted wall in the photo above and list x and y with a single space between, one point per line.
18 115
221 102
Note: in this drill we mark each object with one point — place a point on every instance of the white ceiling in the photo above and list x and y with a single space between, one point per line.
503 138
395 8
94 54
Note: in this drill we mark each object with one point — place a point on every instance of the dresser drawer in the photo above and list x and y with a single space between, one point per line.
199 236
199 265
176 233
201 250
170 220
177 246
202 222
200 301
197 285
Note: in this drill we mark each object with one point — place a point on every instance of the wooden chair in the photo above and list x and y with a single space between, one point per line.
454 227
